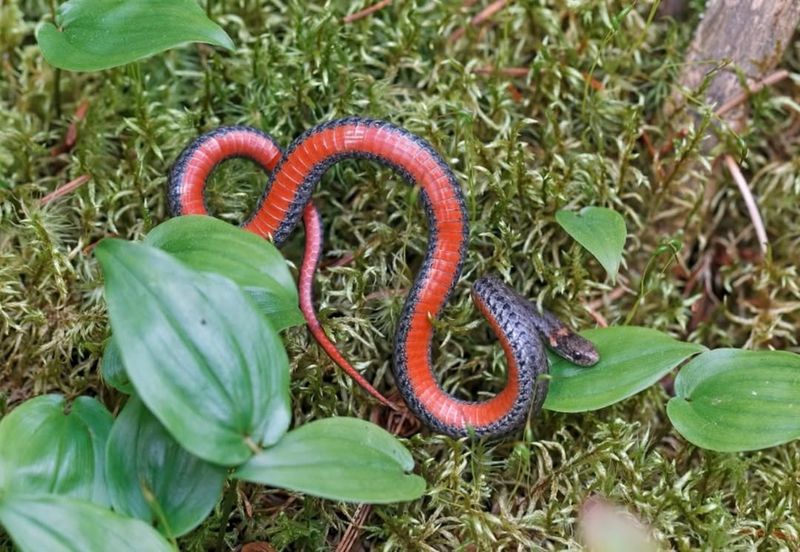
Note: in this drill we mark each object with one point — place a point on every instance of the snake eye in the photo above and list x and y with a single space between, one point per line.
589 356
577 349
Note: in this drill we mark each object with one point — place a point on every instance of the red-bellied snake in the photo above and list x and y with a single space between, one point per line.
519 325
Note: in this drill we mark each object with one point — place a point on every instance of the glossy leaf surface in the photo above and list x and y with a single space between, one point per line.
631 359
339 458
59 524
207 363
600 231
48 446
91 35
733 400
112 369
211 245
151 477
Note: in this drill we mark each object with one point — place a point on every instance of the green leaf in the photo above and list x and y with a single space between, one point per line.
207 363
339 458
151 477
211 245
98 34
113 370
59 524
733 400
49 447
631 359
601 231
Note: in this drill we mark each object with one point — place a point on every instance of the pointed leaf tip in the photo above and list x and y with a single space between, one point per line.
626 367
600 231
98 34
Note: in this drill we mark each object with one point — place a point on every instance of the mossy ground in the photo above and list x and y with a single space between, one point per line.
567 135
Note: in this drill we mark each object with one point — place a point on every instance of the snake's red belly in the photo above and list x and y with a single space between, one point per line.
293 176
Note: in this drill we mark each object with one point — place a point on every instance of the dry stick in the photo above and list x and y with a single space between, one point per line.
385 294
613 295
72 131
741 97
730 163
747 195
67 188
353 531
752 36
504 71
731 104
598 318
749 200
366 12
482 16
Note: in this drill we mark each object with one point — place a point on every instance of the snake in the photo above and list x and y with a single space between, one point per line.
524 330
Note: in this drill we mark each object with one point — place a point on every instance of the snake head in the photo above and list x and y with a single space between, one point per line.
573 347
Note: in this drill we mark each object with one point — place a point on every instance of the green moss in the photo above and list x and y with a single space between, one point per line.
568 135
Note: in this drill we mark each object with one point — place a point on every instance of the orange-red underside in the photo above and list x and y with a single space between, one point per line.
400 150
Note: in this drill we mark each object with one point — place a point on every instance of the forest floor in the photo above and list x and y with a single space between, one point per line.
548 105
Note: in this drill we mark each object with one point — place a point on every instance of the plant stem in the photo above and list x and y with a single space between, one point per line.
158 512
57 93
672 247
228 501
57 74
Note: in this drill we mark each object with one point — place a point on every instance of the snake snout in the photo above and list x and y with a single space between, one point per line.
576 349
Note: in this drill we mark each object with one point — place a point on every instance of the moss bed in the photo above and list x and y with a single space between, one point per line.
567 133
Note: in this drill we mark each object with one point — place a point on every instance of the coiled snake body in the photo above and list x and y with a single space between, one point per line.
519 326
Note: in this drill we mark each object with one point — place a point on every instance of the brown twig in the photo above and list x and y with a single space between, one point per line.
749 201
349 256
599 318
504 71
385 294
613 295
515 93
258 547
593 82
353 531
344 260
482 16
67 188
699 273
89 248
741 97
72 131
366 11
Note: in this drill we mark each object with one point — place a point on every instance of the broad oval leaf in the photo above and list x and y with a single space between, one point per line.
59 524
631 359
98 34
47 446
112 369
600 231
200 355
733 400
338 458
151 477
211 245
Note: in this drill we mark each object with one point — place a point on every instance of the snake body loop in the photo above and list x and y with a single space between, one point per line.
293 176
